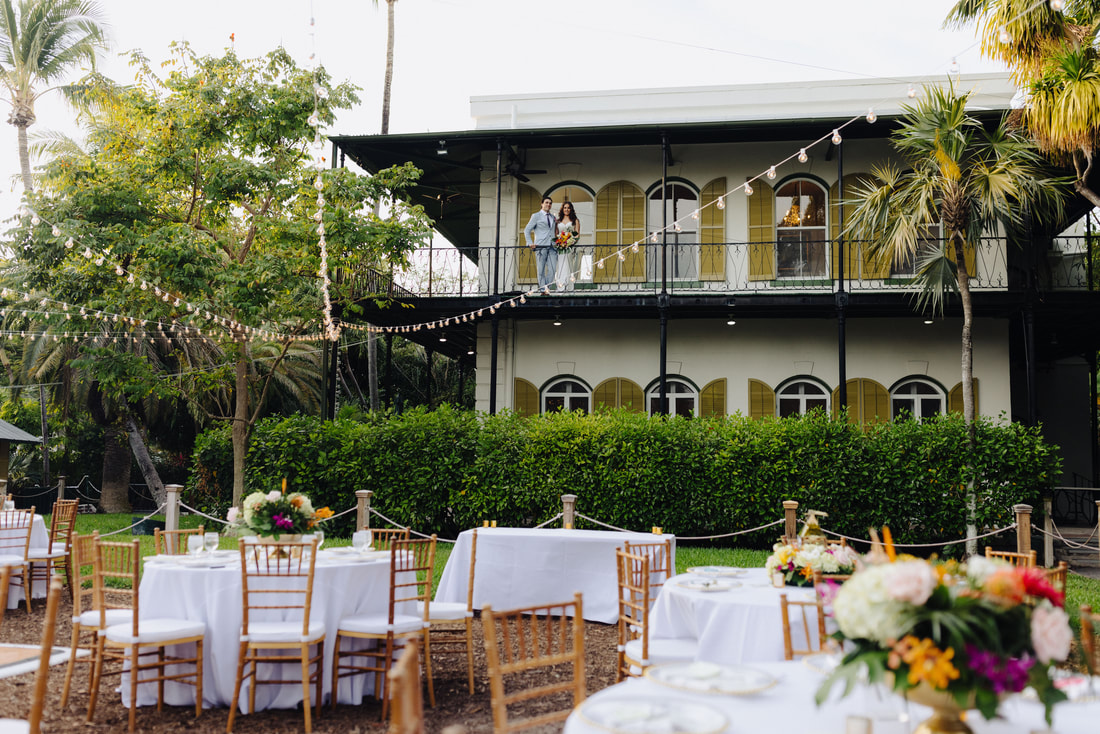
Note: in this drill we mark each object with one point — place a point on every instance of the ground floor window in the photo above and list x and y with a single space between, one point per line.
916 399
566 395
683 399
800 397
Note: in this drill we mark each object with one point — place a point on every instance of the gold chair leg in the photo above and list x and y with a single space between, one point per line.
335 672
71 665
303 650
428 667
134 658
234 703
321 677
470 652
97 672
198 677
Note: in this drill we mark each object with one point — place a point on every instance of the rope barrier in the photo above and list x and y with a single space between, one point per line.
1071 543
338 514
602 524
926 545
139 522
203 514
544 524
47 490
729 535
399 525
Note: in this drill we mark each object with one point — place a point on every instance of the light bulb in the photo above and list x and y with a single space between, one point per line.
771 172
634 247
802 157
676 226
721 203
748 189
695 214
912 92
56 231
622 256
836 137
954 66
1057 5
653 238
599 264
871 116
69 244
35 220
1004 36
523 299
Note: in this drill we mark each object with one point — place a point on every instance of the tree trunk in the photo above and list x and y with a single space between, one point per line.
24 158
967 386
389 68
115 495
45 435
144 460
372 369
240 425
1082 189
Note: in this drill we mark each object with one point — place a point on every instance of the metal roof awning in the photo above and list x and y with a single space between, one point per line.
11 433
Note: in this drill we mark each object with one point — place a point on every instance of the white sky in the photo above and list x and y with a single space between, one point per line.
449 50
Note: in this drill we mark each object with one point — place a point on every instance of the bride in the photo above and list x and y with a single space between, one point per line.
567 260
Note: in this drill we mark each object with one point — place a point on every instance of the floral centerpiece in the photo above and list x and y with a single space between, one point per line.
974 632
276 513
798 563
564 241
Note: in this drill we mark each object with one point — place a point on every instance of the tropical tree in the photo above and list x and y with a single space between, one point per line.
40 42
968 179
193 222
1053 57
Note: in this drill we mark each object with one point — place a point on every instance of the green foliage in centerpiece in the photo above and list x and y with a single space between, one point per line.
277 513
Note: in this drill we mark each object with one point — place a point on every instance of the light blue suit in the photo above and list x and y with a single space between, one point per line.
541 230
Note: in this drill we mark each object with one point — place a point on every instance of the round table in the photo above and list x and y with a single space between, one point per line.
40 541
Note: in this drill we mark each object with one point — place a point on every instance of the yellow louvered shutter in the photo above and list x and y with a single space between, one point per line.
712 399
529 203
618 392
968 252
868 401
607 232
762 234
632 269
712 232
955 398
526 397
761 400
857 261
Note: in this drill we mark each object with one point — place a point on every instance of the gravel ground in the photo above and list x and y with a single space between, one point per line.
454 704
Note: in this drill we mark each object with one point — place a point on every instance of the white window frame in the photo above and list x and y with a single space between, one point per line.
916 399
803 397
822 229
556 389
680 392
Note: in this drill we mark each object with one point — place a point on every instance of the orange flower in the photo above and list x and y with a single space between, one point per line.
928 663
323 513
888 541
298 501
1006 585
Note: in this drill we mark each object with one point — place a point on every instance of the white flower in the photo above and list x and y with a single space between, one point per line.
251 502
274 495
979 568
863 608
912 582
1050 633
231 516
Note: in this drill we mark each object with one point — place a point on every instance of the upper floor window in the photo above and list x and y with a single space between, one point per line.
801 237
566 395
800 397
916 399
682 247
683 399
583 206
907 265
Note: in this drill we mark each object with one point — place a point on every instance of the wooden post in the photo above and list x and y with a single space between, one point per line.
1048 532
790 524
61 487
172 509
1023 528
568 505
362 508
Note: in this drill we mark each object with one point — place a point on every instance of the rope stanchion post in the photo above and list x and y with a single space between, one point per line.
172 506
790 520
1048 532
568 509
362 508
1023 528
61 487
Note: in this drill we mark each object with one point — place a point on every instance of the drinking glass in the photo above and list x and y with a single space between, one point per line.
194 544
320 535
210 541
360 539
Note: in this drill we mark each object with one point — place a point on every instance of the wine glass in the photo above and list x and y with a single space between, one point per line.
210 541
194 544
360 539
320 536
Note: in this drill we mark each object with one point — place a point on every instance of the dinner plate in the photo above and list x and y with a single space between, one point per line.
716 571
202 562
652 715
822 662
702 677
707 584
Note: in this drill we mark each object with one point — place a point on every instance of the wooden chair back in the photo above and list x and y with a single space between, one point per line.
117 578
382 538
83 580
1029 560
1057 576
15 532
1090 644
533 638
42 675
174 542
841 542
411 566
403 683
277 576
815 607
660 562
634 572
62 522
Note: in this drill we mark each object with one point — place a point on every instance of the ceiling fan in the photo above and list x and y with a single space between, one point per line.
517 165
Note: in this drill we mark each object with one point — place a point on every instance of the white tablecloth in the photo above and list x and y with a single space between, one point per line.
522 567
741 625
341 588
40 540
789 706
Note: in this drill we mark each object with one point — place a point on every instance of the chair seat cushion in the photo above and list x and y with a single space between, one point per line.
8 560
444 611
668 650
289 632
14 726
90 618
42 554
155 630
379 624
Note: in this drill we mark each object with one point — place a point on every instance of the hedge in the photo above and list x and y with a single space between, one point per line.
448 469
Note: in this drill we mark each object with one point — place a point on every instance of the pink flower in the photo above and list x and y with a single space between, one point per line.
274 495
1050 633
231 516
911 581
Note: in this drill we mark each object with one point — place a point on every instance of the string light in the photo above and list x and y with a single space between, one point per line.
802 157
836 137
1057 5
871 116
771 172
1004 36
912 92
721 203
748 189
954 66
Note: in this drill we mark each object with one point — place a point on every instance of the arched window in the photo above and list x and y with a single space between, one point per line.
799 397
683 399
917 399
567 395
800 250
682 246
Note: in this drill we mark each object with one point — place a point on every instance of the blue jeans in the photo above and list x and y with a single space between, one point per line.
546 258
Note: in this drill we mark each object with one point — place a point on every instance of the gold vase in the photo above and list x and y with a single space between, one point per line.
947 714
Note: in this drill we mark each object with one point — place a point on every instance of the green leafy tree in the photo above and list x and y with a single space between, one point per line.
197 211
40 42
1053 56
964 177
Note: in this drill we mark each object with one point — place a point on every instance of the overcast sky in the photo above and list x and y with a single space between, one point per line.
449 50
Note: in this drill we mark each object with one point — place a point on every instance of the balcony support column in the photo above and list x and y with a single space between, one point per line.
841 294
495 326
1029 351
663 298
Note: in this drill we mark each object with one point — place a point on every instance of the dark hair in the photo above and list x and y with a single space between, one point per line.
572 213
546 198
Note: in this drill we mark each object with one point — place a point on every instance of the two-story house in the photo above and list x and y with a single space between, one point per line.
693 293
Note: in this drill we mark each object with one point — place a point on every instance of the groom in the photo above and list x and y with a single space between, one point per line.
539 235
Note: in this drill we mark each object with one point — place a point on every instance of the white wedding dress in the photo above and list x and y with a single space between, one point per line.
566 261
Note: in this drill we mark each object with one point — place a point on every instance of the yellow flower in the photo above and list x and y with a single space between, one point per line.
323 513
784 555
928 663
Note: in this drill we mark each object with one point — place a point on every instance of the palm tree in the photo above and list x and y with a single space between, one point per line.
1053 57
969 180
39 43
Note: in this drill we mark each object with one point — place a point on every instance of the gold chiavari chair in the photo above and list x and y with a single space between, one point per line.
660 562
33 724
446 636
1029 560
5 579
44 560
382 538
530 639
817 608
1057 576
636 651
15 542
408 701
277 579
1090 645
86 617
174 542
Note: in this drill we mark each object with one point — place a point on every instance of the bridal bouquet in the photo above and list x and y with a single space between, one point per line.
975 632
564 241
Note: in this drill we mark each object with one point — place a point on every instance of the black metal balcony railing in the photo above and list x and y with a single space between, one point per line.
722 268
